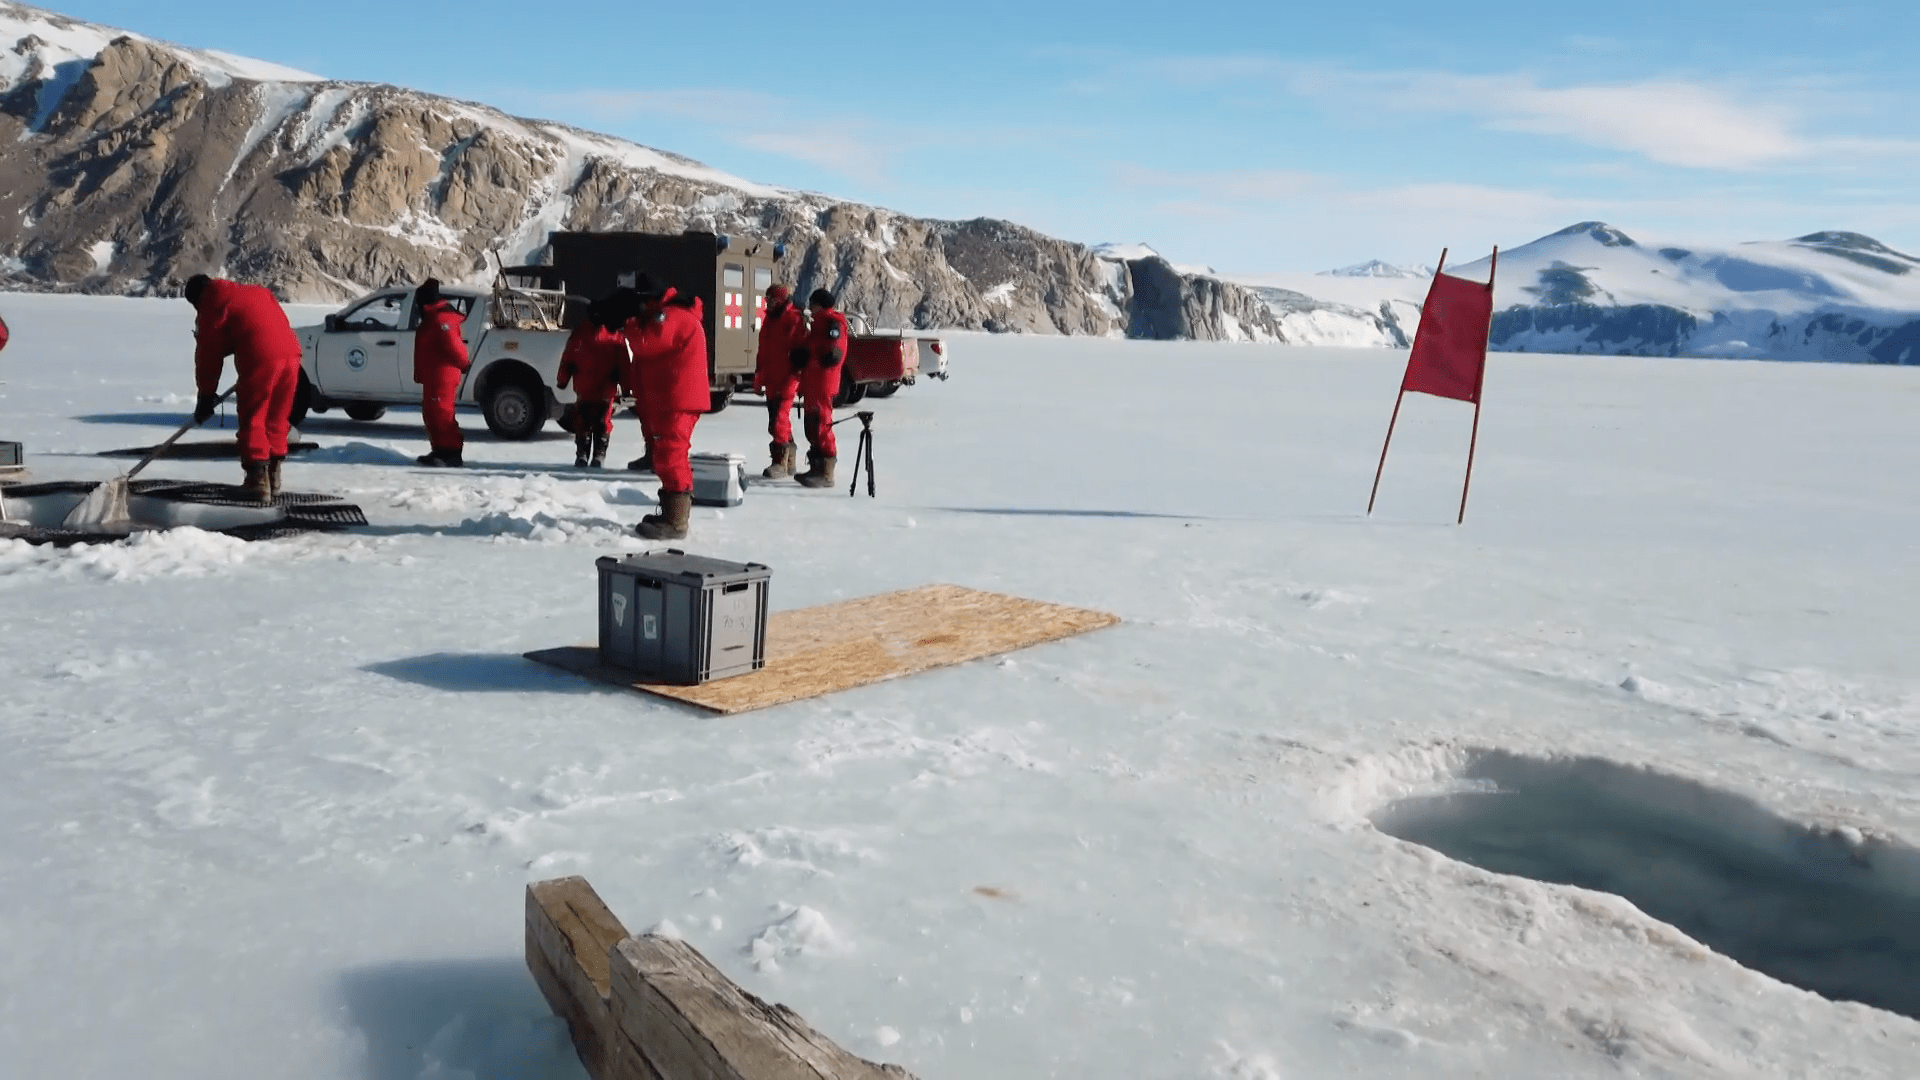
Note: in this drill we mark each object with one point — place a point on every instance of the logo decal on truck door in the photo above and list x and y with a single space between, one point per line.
356 358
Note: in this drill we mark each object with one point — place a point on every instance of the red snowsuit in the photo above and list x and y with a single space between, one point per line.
773 372
3 337
669 345
595 361
246 322
826 350
439 363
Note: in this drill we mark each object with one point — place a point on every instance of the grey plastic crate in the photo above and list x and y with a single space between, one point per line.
670 617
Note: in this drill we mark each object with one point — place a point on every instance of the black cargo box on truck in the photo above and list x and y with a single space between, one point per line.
730 275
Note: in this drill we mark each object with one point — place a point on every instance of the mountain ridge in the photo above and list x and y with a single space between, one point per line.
135 163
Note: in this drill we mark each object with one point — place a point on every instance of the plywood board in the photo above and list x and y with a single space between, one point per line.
820 650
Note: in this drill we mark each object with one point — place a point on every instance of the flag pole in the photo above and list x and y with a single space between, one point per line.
1382 467
1479 382
1395 418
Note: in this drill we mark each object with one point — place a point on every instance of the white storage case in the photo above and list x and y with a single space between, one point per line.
718 479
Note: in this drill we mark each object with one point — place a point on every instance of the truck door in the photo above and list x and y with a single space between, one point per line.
358 355
734 329
762 281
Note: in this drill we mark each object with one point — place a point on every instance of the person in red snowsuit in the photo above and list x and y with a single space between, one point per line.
439 363
782 330
3 333
246 323
595 361
826 349
668 342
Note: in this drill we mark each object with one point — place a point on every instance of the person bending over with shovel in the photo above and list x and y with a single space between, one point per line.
246 323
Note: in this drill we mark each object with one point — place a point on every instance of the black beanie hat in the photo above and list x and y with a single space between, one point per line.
648 287
196 286
428 292
820 298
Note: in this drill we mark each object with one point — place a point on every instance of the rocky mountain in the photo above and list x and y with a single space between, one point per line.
132 164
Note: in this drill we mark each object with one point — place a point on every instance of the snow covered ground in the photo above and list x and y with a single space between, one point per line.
268 810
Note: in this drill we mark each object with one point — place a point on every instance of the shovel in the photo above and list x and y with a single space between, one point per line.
105 507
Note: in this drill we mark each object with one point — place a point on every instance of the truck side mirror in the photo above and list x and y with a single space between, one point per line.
334 324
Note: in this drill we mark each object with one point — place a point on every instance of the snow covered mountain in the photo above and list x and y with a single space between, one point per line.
133 164
1374 268
1592 288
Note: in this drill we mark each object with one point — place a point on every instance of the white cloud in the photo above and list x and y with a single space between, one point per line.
837 150
1670 121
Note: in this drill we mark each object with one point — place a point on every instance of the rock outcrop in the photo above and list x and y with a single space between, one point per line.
129 170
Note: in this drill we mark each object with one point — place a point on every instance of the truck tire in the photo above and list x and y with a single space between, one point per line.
718 400
515 410
366 411
302 401
884 390
850 393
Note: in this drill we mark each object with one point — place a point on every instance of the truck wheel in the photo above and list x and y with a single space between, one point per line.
850 393
365 411
302 401
515 411
884 390
718 400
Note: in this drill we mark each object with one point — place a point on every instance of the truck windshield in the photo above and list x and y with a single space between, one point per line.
384 312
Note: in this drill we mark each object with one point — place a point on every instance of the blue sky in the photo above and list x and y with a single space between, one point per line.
1251 137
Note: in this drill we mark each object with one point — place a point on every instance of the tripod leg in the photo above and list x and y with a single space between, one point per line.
867 438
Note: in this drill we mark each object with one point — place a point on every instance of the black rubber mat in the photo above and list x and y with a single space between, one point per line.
201 450
305 511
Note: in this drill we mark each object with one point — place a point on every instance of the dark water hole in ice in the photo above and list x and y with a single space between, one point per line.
1805 906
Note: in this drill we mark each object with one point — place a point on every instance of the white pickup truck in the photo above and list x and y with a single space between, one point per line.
361 359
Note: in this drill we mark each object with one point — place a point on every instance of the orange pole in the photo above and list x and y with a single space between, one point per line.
1479 384
1383 451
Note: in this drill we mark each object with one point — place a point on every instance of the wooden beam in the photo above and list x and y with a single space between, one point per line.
569 935
690 1021
653 1008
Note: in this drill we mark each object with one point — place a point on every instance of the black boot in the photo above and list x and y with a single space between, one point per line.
671 522
582 446
273 474
600 441
643 463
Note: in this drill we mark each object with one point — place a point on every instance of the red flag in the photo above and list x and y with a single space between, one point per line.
1450 348
1449 357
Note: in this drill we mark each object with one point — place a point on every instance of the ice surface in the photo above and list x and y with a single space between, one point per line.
269 808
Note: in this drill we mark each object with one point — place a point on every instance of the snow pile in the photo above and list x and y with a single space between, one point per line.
537 507
182 552
796 931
